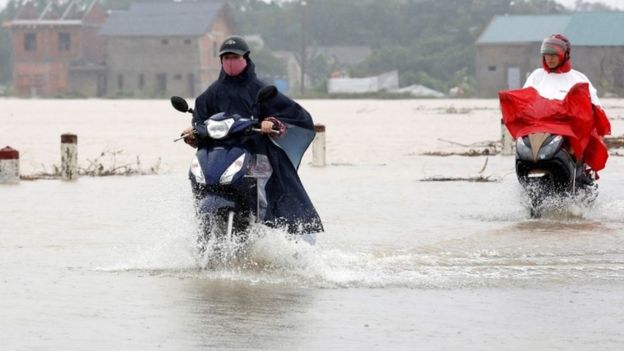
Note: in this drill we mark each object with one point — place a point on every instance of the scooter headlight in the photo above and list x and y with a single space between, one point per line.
230 172
523 150
197 172
549 149
219 129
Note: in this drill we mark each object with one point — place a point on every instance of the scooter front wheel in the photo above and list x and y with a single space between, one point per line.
221 229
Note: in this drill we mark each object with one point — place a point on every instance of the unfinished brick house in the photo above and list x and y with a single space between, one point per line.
165 48
56 49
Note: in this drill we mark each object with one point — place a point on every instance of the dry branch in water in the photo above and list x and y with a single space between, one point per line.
478 179
488 148
104 165
482 148
453 110
614 142
469 153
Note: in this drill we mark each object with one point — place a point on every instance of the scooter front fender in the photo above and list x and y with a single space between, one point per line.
213 203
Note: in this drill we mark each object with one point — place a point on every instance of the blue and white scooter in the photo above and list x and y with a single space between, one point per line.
227 177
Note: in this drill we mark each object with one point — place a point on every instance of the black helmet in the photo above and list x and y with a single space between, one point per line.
234 44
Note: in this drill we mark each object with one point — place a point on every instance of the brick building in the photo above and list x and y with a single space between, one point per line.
508 49
56 49
165 48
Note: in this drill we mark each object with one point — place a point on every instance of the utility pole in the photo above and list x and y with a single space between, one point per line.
303 4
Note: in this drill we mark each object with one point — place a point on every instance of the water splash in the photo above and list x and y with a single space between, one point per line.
496 246
272 256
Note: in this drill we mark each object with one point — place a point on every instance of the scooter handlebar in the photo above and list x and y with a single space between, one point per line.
182 137
273 131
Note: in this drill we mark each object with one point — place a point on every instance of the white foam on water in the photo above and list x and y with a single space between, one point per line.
272 256
494 242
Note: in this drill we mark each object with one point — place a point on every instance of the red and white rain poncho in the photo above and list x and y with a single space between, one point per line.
563 103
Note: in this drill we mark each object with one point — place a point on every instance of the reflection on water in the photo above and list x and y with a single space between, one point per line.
573 226
238 315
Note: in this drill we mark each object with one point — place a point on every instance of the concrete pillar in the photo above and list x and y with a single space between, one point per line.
9 166
318 146
506 140
69 157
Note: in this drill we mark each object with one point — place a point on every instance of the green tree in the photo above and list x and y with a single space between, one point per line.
430 42
267 65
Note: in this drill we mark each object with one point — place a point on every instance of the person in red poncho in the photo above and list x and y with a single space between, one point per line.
556 77
558 99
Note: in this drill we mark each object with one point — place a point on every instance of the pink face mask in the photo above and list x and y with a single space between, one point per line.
234 66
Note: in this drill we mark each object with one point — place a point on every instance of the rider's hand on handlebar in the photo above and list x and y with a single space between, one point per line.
189 136
273 127
266 127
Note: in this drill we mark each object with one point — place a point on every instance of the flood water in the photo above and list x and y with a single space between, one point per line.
111 263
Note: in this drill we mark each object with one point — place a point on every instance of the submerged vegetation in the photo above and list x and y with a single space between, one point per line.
104 165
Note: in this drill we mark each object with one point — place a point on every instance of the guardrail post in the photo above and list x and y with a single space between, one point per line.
69 157
318 146
9 166
506 140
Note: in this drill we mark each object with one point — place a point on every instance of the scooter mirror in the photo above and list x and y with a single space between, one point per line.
266 93
179 104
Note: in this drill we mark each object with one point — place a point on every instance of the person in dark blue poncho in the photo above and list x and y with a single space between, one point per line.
234 92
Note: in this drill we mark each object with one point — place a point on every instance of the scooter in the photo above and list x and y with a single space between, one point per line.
225 175
547 169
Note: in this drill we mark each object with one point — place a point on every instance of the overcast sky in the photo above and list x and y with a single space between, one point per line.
614 3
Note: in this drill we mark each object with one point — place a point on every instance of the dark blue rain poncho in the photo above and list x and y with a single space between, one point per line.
288 203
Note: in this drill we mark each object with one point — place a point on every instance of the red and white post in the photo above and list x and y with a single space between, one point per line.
69 157
9 166
318 146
